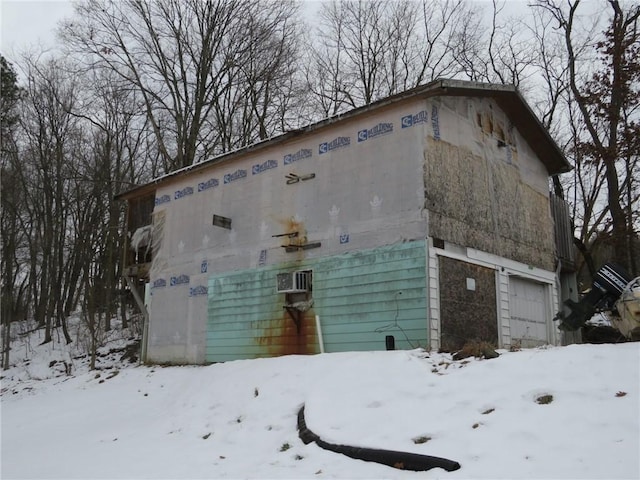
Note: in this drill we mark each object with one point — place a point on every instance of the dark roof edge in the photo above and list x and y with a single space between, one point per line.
440 87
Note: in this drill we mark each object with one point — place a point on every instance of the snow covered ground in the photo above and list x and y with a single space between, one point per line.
238 419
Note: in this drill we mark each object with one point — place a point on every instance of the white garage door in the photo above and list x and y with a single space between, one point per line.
528 311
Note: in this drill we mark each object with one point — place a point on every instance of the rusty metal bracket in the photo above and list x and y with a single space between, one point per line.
293 178
290 235
296 316
306 246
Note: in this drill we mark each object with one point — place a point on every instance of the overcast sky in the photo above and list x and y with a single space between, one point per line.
29 23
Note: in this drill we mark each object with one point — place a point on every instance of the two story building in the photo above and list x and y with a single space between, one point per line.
421 220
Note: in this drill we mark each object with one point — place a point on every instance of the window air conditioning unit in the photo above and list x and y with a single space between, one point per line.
292 282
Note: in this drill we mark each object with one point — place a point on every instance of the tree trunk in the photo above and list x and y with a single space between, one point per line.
6 342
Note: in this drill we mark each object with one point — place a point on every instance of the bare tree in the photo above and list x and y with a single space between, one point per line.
497 48
551 69
80 140
192 61
605 149
50 135
115 159
367 50
12 237
259 87
444 24
325 76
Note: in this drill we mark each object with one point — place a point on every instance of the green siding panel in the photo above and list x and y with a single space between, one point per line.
356 295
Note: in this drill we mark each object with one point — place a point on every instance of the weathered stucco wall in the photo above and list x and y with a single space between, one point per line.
484 188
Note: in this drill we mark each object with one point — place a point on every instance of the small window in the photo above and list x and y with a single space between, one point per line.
220 221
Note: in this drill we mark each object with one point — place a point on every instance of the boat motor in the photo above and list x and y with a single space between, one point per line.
608 284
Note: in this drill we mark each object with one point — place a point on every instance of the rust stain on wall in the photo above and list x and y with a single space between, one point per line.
281 336
291 226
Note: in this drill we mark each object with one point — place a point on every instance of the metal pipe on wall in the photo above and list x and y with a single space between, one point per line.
319 330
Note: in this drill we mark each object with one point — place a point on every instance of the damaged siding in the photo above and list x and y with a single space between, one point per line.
360 297
364 296
483 187
246 319
468 304
447 288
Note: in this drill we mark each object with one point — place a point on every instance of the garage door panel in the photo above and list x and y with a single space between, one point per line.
528 311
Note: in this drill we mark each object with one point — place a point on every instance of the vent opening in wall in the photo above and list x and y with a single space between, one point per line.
438 243
220 221
293 282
